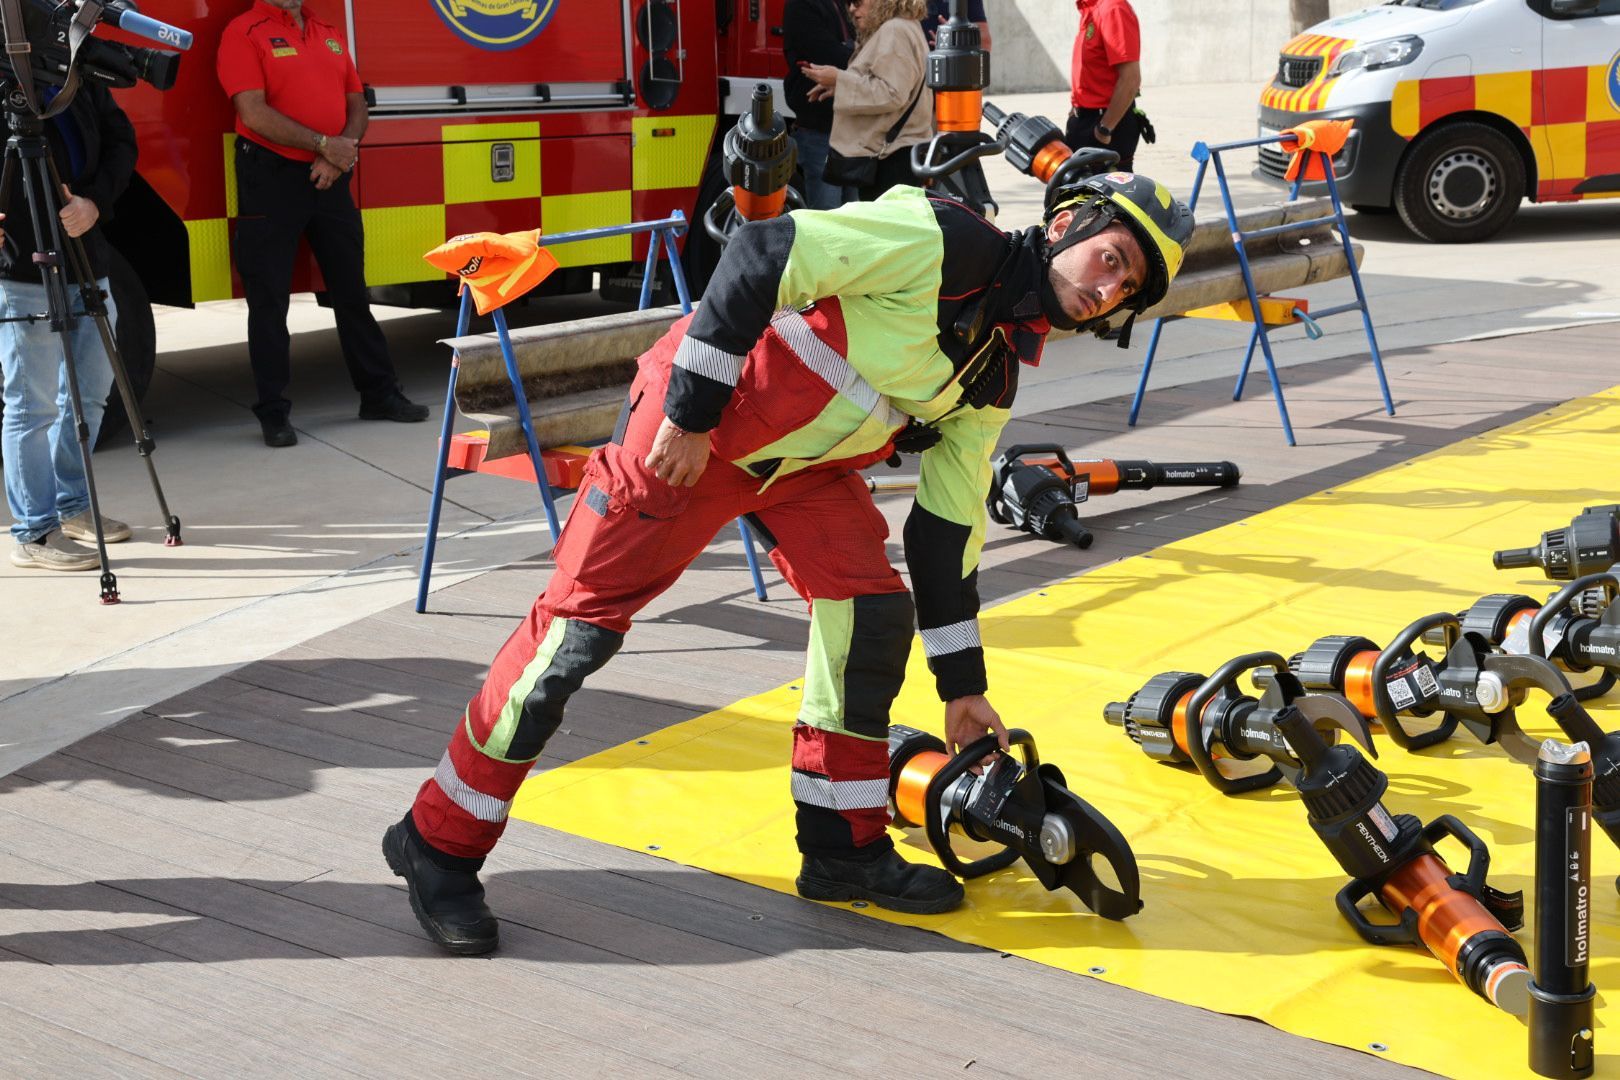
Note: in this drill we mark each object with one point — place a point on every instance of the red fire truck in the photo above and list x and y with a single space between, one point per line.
485 114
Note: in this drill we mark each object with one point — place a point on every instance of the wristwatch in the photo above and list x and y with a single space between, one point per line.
1104 130
320 143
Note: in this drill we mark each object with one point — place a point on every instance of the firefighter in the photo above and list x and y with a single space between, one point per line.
300 115
826 340
1105 75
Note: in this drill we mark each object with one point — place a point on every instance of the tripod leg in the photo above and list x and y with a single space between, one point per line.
95 306
45 212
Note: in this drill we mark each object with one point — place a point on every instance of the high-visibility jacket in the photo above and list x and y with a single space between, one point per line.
823 334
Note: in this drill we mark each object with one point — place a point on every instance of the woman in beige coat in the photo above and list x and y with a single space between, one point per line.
884 78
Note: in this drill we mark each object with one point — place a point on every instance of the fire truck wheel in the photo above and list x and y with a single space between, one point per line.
1459 183
137 343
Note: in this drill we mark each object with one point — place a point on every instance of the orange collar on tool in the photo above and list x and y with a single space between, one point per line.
497 267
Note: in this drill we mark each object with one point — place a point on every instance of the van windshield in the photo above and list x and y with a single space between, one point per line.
1433 5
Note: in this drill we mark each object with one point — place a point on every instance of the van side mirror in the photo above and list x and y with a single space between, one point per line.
1574 7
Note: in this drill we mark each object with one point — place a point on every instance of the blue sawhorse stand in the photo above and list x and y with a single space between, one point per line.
664 232
1256 310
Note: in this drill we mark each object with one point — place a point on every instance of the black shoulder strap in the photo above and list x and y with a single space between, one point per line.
901 123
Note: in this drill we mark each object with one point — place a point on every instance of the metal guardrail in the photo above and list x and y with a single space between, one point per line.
576 373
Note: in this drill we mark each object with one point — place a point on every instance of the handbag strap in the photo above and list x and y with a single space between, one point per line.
894 132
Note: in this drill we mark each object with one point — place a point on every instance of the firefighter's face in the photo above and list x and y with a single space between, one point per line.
286 5
1099 273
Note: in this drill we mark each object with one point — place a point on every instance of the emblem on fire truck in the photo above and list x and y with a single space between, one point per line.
496 24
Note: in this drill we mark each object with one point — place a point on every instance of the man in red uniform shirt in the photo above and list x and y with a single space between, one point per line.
1105 76
300 114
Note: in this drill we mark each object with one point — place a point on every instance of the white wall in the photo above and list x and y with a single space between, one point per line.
1183 41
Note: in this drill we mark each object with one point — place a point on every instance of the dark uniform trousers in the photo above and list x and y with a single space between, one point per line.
277 204
1081 133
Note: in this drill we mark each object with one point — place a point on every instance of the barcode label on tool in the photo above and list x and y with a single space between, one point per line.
1401 694
1426 682
1386 824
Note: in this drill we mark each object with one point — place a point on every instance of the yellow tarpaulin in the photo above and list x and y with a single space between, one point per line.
1239 914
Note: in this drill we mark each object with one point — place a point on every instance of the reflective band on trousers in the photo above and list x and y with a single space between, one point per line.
481 806
840 794
953 638
704 359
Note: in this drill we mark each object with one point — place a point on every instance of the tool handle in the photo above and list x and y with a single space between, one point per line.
1397 650
1227 674
1142 475
1561 600
1514 558
936 826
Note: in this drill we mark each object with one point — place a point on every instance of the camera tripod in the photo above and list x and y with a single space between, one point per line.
28 151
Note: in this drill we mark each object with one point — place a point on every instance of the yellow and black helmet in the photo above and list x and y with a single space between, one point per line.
1162 224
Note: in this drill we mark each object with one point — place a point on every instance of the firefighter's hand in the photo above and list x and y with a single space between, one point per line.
678 457
79 214
341 151
967 718
323 174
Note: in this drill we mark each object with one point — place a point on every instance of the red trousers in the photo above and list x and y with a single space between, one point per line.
627 539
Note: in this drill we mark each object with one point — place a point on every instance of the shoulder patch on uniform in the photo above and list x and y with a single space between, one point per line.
335 45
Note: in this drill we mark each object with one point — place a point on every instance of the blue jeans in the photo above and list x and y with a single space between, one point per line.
44 470
818 195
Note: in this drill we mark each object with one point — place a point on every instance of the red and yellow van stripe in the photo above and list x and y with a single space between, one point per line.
1313 95
1567 114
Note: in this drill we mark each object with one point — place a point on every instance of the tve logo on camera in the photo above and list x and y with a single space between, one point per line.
496 24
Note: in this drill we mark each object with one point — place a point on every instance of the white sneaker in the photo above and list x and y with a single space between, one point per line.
54 552
83 527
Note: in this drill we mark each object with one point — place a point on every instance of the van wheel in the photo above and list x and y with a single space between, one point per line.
137 342
1459 184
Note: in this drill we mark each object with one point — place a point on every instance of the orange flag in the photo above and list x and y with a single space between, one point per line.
497 267
1311 138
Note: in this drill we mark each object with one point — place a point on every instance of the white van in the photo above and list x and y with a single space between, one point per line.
1462 107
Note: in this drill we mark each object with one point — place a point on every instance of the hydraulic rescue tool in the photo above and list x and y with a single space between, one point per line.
1035 147
1040 496
1578 628
1604 750
1464 922
957 72
1589 544
1024 806
1182 718
1472 685
758 160
1561 993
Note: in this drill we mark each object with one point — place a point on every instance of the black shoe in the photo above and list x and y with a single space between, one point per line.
448 903
277 432
396 407
888 881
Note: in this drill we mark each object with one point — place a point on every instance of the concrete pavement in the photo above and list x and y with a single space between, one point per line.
283 545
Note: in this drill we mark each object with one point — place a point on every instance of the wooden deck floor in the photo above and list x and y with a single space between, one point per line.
198 890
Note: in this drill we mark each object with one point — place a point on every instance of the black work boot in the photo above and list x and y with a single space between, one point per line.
888 881
449 902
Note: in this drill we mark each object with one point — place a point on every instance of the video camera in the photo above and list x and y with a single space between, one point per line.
56 38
